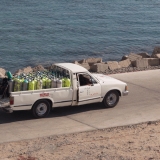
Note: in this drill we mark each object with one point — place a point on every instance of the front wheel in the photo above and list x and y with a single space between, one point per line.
111 99
41 109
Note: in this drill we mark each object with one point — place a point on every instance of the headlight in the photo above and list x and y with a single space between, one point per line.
126 88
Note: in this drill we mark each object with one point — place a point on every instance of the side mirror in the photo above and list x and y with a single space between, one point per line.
92 81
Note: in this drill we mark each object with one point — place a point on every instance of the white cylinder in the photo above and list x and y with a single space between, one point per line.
54 83
59 83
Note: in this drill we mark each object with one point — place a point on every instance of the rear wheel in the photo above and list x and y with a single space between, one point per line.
111 99
41 109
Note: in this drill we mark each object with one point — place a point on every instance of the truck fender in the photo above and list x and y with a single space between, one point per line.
119 92
50 100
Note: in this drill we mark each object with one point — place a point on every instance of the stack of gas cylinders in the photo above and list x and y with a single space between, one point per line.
38 80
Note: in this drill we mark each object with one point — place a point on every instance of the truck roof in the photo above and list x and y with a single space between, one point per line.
72 67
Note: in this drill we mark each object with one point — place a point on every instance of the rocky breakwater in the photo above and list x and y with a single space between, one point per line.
25 70
29 69
129 63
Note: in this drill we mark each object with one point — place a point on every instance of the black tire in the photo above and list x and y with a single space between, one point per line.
41 109
111 99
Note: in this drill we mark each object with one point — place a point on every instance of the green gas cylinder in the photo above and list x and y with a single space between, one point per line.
48 83
44 83
63 82
39 84
35 84
17 85
67 82
31 85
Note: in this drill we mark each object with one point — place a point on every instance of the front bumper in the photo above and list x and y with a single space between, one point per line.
125 93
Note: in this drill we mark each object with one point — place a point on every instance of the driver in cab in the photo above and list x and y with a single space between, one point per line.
85 80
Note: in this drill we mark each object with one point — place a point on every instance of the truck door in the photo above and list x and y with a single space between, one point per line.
89 90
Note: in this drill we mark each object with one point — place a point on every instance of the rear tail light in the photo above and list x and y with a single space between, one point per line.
11 100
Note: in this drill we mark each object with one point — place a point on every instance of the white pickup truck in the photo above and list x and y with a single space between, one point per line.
85 88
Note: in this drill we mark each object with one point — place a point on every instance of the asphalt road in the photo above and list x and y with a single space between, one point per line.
141 105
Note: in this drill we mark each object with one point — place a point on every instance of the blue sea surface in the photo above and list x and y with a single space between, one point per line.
43 32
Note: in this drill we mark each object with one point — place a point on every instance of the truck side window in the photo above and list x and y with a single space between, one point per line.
85 79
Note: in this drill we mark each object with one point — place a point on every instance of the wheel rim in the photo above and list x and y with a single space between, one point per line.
41 109
111 99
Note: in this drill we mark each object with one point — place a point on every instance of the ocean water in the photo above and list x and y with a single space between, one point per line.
43 32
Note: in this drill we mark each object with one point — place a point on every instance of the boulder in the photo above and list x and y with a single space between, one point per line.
2 75
82 61
144 55
157 55
85 65
141 63
99 67
24 70
51 66
76 62
125 63
2 72
92 61
112 65
18 72
153 61
133 57
39 68
27 69
155 51
124 57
